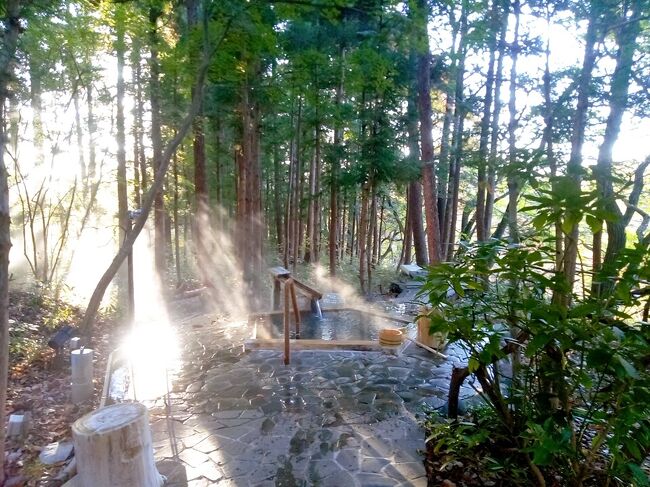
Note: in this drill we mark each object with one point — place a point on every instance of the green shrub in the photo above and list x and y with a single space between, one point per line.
575 401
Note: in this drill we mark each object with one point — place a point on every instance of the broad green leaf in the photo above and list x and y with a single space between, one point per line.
536 344
640 476
595 224
628 367
539 221
473 365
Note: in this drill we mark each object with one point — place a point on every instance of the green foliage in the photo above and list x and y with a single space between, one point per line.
476 445
34 317
560 202
56 312
24 342
575 394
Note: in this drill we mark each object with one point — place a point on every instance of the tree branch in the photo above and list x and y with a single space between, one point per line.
107 277
635 195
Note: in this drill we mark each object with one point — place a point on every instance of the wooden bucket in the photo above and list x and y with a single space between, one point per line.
391 337
436 340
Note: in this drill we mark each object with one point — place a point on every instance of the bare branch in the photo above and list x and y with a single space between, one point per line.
637 188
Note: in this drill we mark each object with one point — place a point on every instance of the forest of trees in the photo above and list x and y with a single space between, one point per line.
354 134
322 132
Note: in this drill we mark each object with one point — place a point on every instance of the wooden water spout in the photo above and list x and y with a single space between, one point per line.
283 281
280 275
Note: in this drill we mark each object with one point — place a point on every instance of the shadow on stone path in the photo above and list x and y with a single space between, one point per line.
339 419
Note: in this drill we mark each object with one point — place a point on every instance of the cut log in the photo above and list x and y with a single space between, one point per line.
113 448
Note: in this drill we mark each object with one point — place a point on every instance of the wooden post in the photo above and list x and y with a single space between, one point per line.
113 448
287 357
296 310
81 364
278 274
276 293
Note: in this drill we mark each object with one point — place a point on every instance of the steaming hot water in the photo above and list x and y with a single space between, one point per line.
334 325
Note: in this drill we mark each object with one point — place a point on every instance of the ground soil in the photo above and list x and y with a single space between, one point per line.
39 383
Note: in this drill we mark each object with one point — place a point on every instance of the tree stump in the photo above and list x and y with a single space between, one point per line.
113 448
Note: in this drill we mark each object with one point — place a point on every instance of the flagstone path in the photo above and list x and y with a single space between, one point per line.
242 418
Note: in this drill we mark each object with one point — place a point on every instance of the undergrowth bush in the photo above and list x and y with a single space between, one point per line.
34 317
573 406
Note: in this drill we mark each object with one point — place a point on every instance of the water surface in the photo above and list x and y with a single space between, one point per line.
335 325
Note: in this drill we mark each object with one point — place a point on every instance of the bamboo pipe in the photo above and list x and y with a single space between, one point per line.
294 302
426 347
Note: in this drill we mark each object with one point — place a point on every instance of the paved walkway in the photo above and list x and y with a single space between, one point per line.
329 419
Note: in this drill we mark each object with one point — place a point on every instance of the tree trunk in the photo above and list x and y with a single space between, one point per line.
513 179
626 39
9 40
300 226
316 210
353 226
380 232
177 245
343 220
334 173
200 172
86 324
414 202
257 223
311 216
467 224
370 233
296 185
374 235
451 232
407 235
288 213
139 159
451 211
548 140
362 237
80 141
447 123
249 223
426 139
218 171
574 166
494 129
277 207
333 223
122 197
156 142
92 128
200 185
481 190
35 91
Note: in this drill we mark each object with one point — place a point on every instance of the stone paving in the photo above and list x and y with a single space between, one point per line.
331 418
